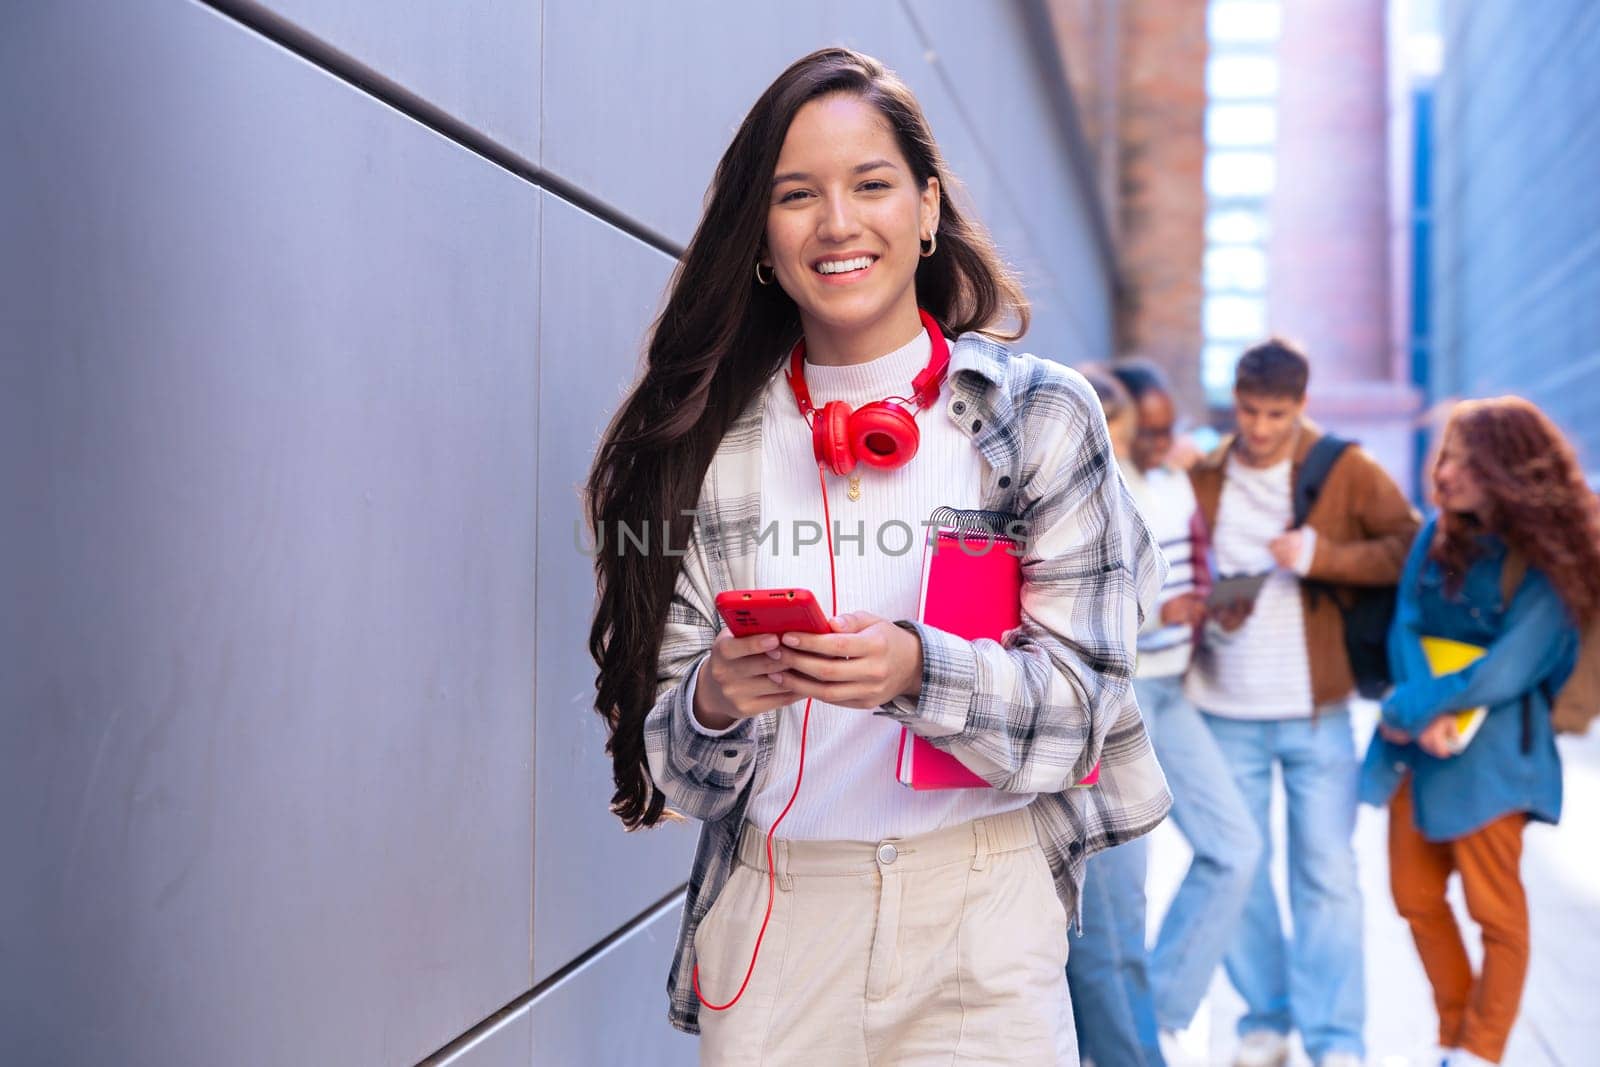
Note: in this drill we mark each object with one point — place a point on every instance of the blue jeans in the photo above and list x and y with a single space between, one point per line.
1210 812
1316 984
1106 974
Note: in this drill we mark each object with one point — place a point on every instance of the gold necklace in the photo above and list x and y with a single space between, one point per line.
855 488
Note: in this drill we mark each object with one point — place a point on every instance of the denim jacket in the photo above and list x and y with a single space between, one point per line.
1512 764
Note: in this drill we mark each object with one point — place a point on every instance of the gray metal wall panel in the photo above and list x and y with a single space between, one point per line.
298 499
600 293
613 1009
509 1043
640 119
268 398
479 61
1038 209
705 62
1517 232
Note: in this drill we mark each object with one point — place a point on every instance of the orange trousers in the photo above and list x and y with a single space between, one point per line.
1475 1011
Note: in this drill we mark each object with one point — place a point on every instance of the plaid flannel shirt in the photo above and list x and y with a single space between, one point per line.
1030 716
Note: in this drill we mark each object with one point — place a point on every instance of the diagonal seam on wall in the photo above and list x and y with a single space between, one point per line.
296 40
503 1015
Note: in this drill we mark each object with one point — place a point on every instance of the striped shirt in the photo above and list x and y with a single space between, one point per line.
1261 670
1166 499
1030 716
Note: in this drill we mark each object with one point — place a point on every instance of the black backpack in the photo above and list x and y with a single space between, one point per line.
1368 610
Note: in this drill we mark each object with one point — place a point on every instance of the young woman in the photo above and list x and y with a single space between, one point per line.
1107 971
1511 565
1209 809
891 924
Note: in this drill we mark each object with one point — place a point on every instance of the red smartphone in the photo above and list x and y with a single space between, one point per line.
772 611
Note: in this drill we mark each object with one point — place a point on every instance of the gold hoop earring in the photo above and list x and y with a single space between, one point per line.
767 280
933 242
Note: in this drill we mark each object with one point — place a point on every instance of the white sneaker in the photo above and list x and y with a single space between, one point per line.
1183 1048
1340 1059
1262 1048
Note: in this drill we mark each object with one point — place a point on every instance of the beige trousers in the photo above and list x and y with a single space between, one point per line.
947 948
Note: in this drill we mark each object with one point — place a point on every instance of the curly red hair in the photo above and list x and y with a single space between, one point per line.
1538 501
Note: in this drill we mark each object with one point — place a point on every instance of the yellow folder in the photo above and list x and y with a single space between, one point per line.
1446 657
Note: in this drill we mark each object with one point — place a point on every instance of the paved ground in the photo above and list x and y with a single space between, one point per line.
1560 1021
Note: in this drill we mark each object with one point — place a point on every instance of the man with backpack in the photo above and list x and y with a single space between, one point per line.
1320 533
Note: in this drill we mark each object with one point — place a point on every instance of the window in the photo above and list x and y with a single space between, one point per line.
1216 371
1242 77
1240 173
1241 125
1243 21
1240 319
1241 268
1235 226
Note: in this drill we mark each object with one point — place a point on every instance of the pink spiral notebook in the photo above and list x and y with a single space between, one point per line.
973 591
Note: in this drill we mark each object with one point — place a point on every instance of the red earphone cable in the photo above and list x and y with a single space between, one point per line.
799 776
827 522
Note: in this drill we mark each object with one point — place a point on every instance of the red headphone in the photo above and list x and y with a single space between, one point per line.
881 434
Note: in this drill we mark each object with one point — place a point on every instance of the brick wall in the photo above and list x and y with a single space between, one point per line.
1329 252
1162 205
1329 258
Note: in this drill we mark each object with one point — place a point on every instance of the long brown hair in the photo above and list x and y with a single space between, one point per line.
1537 500
718 341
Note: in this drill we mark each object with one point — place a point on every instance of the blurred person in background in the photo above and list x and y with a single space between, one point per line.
1208 809
1122 422
1274 678
1511 566
1107 972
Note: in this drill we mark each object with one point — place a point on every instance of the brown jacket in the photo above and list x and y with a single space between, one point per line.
1364 528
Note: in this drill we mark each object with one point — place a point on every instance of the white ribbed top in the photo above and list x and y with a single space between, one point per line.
850 791
1261 670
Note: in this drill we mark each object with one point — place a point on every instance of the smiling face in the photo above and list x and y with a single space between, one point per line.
844 229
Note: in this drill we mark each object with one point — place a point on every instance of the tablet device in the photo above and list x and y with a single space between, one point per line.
1236 589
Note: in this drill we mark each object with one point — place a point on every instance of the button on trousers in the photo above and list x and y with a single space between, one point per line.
945 948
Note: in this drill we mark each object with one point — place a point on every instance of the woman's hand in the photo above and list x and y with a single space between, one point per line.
865 663
1393 734
1233 614
1188 609
1438 737
737 680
